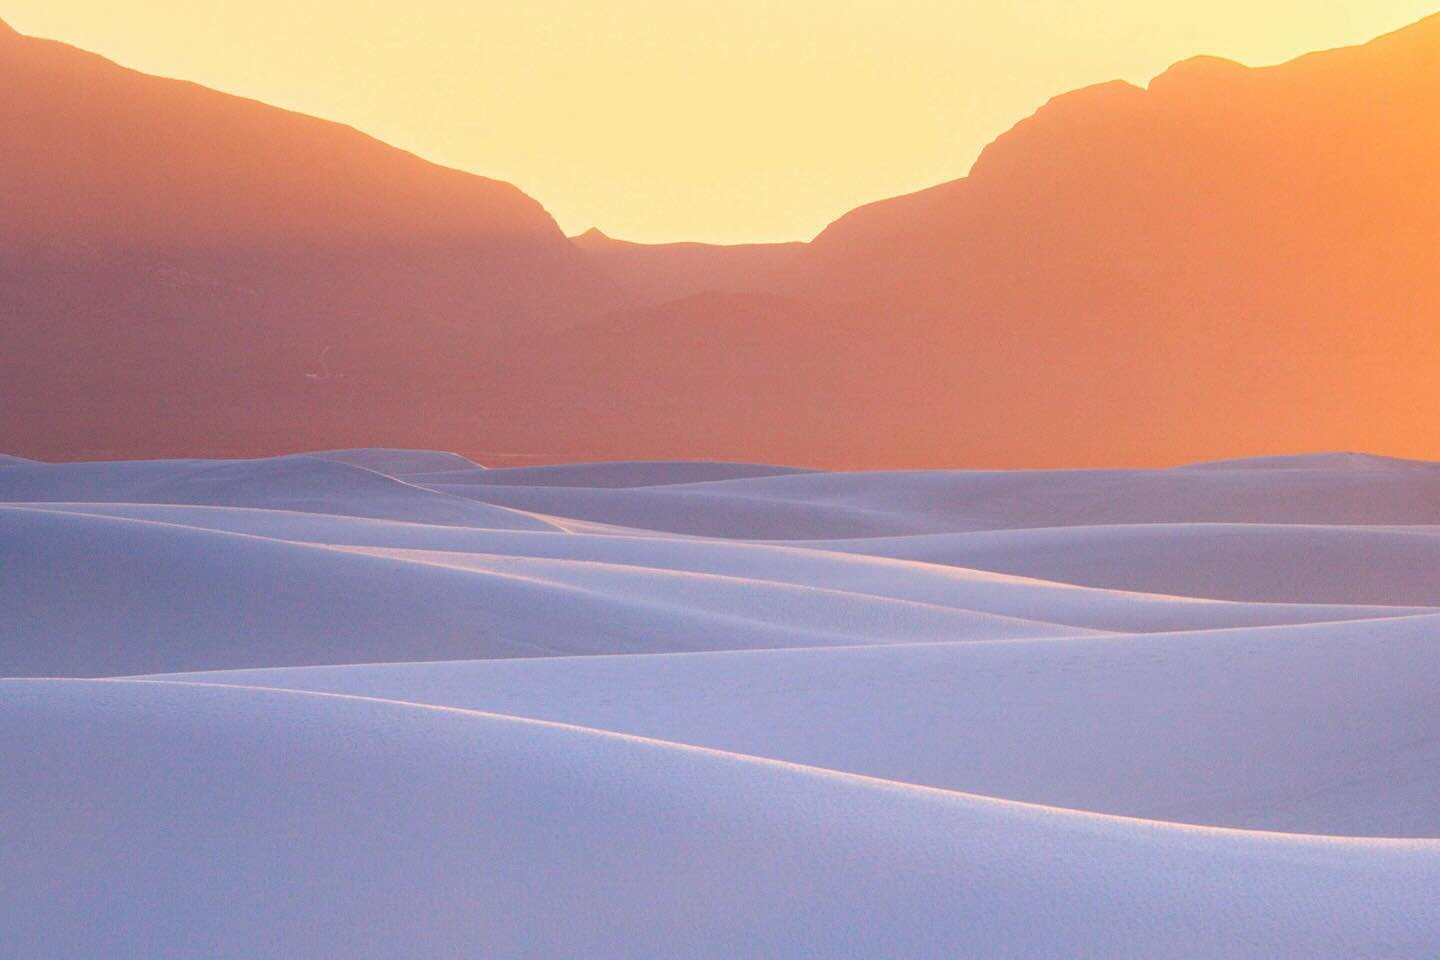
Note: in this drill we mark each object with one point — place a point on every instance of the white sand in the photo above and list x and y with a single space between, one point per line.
718 710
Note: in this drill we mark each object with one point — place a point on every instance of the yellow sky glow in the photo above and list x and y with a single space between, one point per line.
725 121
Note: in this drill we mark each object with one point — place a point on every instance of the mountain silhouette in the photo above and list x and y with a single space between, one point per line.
654 273
171 255
1229 261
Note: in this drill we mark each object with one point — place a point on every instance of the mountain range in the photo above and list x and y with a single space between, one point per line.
1229 261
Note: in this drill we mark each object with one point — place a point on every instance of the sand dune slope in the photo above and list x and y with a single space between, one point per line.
396 704
305 826
1324 729
302 483
1265 563
1323 490
97 596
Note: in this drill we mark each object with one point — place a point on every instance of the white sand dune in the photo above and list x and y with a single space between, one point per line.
1326 729
400 463
1253 562
301 483
624 474
303 826
836 505
1331 462
162 595
412 706
848 566
98 596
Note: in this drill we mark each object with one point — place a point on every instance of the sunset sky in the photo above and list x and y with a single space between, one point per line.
674 119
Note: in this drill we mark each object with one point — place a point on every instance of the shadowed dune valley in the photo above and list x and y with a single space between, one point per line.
1041 564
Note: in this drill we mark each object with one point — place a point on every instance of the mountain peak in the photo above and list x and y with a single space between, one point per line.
1201 70
593 239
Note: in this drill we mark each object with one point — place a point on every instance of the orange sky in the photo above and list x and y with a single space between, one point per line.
677 119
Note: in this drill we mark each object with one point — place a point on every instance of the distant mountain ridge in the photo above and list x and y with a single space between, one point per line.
172 257
656 272
100 154
1231 261
1228 262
